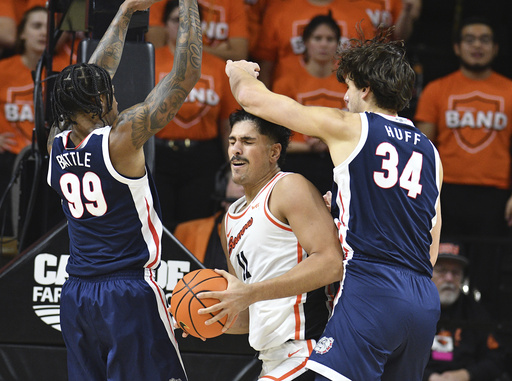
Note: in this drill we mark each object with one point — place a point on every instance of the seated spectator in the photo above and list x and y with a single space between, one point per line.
189 150
311 80
465 347
468 116
16 92
202 236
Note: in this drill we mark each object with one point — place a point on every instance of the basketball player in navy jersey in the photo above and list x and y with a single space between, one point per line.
113 314
385 201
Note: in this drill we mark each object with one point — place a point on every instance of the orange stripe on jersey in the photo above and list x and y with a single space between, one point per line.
155 236
299 299
276 222
271 218
297 317
248 206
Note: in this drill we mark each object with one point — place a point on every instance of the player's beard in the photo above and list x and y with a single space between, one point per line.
448 294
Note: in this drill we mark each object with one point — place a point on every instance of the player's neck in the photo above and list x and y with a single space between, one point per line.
369 105
252 190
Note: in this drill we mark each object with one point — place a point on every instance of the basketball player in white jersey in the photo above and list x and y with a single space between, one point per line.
279 235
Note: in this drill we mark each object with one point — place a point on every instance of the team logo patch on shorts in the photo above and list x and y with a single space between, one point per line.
324 345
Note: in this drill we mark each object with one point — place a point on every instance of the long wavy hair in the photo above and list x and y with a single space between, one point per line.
380 64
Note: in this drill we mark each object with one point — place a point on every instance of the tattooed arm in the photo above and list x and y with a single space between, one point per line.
109 50
140 122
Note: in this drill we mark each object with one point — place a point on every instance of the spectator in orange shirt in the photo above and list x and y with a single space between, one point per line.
16 92
311 80
191 148
468 115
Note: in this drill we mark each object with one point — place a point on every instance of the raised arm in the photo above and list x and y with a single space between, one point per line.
140 122
340 130
110 49
164 101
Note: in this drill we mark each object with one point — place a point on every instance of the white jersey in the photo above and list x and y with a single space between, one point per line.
262 247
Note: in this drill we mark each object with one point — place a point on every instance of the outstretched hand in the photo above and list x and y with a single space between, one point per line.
232 301
249 67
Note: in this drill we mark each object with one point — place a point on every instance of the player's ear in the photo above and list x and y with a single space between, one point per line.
365 91
275 151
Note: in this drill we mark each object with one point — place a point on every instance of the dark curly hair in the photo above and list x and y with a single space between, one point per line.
78 88
381 65
276 133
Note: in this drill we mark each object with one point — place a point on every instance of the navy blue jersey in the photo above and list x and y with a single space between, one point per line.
113 221
385 194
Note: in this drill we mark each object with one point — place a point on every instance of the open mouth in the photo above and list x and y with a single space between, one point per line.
237 163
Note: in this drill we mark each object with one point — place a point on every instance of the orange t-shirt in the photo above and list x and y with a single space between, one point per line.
195 234
223 19
15 9
209 102
17 101
308 90
284 22
255 10
474 127
156 13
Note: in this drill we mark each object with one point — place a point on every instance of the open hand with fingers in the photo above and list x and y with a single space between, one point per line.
234 300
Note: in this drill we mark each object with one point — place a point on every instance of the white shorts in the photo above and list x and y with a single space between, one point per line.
287 361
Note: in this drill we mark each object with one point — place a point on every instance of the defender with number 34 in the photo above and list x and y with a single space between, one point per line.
387 181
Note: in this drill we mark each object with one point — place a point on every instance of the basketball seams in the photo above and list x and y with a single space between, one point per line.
185 303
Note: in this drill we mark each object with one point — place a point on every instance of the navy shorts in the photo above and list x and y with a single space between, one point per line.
116 327
382 327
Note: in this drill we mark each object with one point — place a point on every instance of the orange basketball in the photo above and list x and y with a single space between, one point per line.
184 302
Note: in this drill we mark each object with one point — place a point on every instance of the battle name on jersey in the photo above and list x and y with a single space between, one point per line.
74 158
401 134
